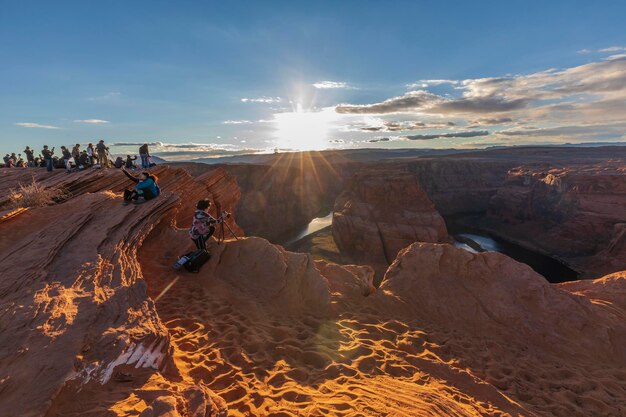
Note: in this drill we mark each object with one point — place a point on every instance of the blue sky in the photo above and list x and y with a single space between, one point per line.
211 78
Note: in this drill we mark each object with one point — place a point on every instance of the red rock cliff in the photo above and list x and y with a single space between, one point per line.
381 212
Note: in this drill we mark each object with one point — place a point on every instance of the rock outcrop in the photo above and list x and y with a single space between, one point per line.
557 349
74 299
380 213
576 213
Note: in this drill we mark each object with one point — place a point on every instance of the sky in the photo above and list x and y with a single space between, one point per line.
206 78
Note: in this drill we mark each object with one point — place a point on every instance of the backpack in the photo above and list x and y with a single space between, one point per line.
196 259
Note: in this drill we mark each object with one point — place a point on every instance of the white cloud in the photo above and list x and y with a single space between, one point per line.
237 122
558 98
92 121
35 125
427 83
583 51
333 85
613 49
267 100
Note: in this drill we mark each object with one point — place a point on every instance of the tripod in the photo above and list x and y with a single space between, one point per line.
220 237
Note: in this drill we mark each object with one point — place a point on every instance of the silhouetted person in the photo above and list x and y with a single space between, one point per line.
91 153
30 156
76 153
67 155
47 157
144 153
103 158
83 161
129 162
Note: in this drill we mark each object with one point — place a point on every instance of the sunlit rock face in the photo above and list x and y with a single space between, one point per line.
556 349
381 212
75 311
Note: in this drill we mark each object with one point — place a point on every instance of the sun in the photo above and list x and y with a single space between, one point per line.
304 130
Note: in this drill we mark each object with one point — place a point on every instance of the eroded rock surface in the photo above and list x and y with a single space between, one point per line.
575 213
382 212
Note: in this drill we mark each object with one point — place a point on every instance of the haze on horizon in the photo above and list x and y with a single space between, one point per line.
204 79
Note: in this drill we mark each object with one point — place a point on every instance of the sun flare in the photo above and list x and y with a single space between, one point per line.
304 130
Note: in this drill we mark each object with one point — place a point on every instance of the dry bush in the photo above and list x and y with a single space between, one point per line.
36 195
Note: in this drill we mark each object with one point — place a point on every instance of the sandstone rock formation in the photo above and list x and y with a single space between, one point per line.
278 199
74 299
575 213
95 321
381 212
556 349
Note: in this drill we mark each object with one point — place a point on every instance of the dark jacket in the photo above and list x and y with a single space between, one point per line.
66 154
144 150
129 161
29 155
101 147
47 153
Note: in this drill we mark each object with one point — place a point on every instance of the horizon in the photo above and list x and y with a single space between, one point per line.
212 80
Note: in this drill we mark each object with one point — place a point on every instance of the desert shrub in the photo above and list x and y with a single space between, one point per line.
36 195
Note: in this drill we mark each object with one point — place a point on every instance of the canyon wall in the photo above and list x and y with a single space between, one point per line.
381 212
279 199
576 213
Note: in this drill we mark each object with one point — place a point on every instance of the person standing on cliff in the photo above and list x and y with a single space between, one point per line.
30 156
91 154
67 155
47 157
103 158
202 224
144 154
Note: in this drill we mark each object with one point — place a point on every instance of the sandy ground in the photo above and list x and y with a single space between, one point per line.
265 363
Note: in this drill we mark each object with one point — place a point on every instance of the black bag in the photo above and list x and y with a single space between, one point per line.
197 258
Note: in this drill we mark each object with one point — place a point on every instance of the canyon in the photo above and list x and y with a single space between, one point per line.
92 310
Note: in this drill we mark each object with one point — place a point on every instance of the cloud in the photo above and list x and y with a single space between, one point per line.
583 51
490 121
237 122
327 85
92 121
426 83
391 126
267 100
379 140
613 49
581 131
594 92
35 125
411 101
469 134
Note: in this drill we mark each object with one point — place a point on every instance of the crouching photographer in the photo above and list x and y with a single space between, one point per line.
202 224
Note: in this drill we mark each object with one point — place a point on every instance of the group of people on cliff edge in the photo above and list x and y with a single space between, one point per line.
76 158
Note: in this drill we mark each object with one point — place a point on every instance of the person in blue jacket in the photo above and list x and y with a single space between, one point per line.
146 188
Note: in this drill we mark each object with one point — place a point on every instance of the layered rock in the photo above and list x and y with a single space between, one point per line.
74 299
460 185
575 213
279 199
381 212
557 349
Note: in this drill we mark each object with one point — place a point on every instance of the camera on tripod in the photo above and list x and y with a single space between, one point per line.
220 237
